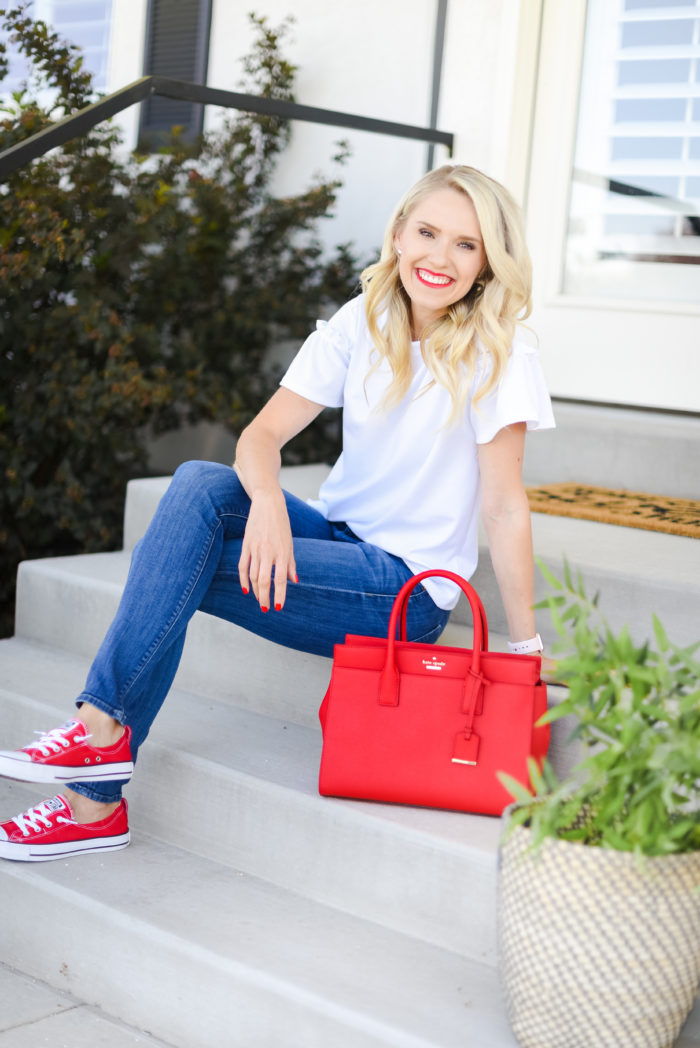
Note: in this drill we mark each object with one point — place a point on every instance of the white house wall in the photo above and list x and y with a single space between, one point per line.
373 58
126 51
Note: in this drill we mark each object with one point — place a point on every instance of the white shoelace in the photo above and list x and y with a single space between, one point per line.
29 820
52 741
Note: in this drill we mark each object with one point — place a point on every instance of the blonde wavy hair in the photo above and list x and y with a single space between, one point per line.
486 316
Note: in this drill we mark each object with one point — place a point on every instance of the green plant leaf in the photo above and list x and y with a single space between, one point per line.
548 575
518 791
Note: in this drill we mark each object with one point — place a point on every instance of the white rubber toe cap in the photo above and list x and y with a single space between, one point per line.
17 756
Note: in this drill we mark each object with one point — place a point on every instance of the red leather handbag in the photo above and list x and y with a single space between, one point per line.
430 725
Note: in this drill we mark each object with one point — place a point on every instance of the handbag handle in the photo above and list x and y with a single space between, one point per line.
474 682
459 580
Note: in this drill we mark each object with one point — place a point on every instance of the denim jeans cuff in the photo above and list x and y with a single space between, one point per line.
86 789
100 704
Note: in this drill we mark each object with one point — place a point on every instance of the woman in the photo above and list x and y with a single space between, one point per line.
437 392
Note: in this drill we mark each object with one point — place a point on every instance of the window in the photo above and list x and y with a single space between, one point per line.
82 22
177 46
634 213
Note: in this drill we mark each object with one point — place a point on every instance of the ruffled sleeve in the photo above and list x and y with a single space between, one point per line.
521 396
319 370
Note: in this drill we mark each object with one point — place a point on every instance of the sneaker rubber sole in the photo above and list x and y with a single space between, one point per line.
46 852
20 767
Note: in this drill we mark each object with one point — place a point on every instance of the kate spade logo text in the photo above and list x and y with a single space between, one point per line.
432 664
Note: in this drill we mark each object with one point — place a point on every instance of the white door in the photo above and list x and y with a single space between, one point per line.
613 205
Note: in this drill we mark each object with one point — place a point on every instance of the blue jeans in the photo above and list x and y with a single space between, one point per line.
188 561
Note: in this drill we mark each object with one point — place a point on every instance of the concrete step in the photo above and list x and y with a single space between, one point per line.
200 954
636 572
617 447
32 1013
67 604
386 863
144 494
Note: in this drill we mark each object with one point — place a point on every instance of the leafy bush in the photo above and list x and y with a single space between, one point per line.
138 293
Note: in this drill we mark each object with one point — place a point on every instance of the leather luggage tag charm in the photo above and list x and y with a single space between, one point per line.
466 750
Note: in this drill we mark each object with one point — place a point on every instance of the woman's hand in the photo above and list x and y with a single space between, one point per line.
267 543
267 549
549 670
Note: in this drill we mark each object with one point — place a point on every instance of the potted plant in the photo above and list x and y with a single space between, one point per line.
599 875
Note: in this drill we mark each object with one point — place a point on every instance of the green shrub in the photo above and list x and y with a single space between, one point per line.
138 293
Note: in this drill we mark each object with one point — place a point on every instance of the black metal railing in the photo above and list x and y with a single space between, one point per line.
79 123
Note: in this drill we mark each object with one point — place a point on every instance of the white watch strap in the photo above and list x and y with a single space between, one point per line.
524 647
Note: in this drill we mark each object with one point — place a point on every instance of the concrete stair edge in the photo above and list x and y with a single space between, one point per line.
290 971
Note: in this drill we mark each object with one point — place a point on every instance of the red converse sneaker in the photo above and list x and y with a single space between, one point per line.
65 755
50 831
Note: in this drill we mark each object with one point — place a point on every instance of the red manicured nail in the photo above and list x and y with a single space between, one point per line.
278 607
296 578
263 608
245 590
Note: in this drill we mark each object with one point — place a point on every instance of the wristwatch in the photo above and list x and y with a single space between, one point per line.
526 647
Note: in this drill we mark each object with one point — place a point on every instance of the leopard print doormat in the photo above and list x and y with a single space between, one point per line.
631 509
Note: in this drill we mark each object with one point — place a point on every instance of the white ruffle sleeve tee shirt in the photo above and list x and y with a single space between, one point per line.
404 481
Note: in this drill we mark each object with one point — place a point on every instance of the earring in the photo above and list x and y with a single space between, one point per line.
398 251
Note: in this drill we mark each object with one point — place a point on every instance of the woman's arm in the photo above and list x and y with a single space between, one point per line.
267 542
506 514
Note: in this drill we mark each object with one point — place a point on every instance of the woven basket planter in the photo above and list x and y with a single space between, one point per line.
593 950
